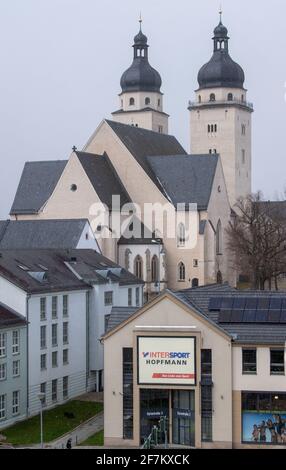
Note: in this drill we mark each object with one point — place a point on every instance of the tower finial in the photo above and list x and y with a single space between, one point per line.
220 13
140 20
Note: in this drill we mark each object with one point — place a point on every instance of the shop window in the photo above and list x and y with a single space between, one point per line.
277 366
127 354
249 361
263 418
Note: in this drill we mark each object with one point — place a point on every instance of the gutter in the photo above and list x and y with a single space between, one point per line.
27 352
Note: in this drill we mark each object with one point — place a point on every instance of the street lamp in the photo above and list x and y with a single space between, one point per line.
41 397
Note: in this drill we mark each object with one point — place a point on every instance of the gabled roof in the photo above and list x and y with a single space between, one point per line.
103 177
10 318
118 315
143 143
186 178
33 234
37 183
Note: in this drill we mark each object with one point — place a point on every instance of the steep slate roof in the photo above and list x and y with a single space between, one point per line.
33 234
39 271
186 178
145 236
37 183
103 177
10 318
143 143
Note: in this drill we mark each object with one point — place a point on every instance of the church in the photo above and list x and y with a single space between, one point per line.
133 158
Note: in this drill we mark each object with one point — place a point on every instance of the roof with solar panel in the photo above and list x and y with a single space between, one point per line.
251 317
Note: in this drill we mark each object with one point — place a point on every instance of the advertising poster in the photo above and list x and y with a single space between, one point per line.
166 360
264 427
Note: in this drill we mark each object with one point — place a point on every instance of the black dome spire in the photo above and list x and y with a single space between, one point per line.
221 70
141 76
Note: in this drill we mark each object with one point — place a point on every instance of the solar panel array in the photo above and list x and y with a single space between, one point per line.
253 309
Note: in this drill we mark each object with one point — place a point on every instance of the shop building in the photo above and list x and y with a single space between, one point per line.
211 360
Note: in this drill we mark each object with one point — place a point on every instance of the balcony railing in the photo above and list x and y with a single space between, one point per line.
196 104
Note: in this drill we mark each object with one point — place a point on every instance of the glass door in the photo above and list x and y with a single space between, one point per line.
183 409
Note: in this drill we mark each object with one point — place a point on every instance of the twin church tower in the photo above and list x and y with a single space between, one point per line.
220 116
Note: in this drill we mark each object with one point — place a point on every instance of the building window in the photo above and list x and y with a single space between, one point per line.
15 403
243 129
195 282
243 156
54 335
54 390
138 267
54 359
2 344
127 365
219 238
3 371
16 342
181 235
108 298
2 406
131 102
147 101
181 272
43 306
160 129
212 97
65 306
154 269
54 307
206 362
200 99
43 389
230 97
263 417
65 387
65 332
43 361
277 366
212 128
65 357
137 296
130 297
206 394
159 103
16 368
249 361
43 337
195 263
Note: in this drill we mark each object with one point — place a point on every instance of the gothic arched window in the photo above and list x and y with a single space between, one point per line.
181 235
212 97
195 282
138 267
131 101
147 100
219 238
154 269
181 272
230 97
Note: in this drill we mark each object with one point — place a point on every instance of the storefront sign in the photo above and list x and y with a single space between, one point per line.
166 360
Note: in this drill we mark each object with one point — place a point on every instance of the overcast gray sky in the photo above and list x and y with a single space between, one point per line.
61 63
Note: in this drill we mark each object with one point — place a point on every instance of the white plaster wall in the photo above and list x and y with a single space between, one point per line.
262 381
76 369
13 296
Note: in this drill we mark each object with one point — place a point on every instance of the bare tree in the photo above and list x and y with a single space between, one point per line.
257 240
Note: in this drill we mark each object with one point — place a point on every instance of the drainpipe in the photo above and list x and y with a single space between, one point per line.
27 351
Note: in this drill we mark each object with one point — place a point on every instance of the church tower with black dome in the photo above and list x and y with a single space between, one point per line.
221 116
141 99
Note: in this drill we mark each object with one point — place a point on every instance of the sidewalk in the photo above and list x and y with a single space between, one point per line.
79 434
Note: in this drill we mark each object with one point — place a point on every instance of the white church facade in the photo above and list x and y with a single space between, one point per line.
134 157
